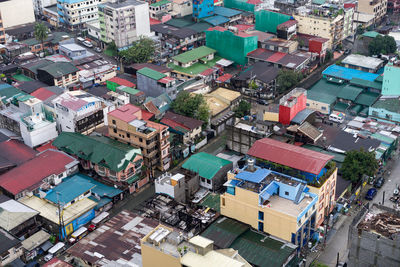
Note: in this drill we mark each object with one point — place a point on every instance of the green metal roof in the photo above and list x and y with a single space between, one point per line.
356 109
22 78
349 92
181 22
371 34
212 201
261 250
200 26
338 157
318 2
98 149
379 78
128 90
383 138
54 37
152 74
390 104
367 98
206 165
196 68
367 84
324 91
10 92
59 69
160 3
194 54
340 106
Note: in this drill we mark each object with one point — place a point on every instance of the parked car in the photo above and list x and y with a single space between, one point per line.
87 44
97 49
80 39
379 182
371 193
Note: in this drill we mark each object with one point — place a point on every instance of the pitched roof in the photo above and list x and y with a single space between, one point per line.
261 70
216 20
13 153
42 93
126 113
367 98
348 74
349 92
56 262
13 213
159 68
206 165
59 69
7 241
30 86
30 174
100 150
187 122
122 81
194 54
152 74
289 155
310 131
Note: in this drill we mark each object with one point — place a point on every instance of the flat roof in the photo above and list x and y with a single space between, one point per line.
211 258
363 61
255 177
35 240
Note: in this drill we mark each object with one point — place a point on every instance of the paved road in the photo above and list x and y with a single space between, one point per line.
339 236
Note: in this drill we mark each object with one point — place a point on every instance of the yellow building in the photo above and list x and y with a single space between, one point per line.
168 248
270 202
327 27
377 8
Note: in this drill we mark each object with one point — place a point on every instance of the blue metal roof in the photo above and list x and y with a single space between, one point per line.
254 177
271 189
216 20
226 12
348 74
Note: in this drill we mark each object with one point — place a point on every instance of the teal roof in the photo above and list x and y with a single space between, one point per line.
128 90
160 3
383 138
356 109
324 91
367 84
371 34
349 92
100 150
206 165
181 22
338 157
389 104
340 106
6 93
318 2
367 98
152 74
59 69
54 37
194 54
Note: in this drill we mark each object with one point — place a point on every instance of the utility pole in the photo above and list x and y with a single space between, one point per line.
60 216
383 198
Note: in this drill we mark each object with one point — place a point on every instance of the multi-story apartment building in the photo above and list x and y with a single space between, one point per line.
16 12
124 21
348 25
271 202
74 13
2 32
377 8
39 5
126 124
321 25
316 169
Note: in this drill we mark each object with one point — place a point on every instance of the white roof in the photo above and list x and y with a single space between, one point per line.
355 124
13 213
35 240
224 62
73 47
200 241
211 259
362 61
100 217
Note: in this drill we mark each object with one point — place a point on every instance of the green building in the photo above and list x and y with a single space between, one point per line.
391 80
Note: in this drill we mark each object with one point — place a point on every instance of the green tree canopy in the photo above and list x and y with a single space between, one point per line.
382 45
358 163
141 51
194 106
242 109
41 32
287 79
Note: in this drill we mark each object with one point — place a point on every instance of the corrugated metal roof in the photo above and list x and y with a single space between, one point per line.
194 54
348 74
367 98
205 164
349 92
289 155
152 74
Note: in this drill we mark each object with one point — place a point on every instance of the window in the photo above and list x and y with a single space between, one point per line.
223 201
115 130
260 226
128 135
323 108
261 215
114 122
140 139
60 175
286 193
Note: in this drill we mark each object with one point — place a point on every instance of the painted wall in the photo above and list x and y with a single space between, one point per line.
286 114
16 12
322 107
203 8
384 115
391 80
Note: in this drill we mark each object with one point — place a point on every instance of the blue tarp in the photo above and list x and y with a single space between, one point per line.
254 177
348 74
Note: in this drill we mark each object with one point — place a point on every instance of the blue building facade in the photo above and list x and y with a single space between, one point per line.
203 8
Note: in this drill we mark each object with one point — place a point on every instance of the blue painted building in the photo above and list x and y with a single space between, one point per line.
203 8
386 109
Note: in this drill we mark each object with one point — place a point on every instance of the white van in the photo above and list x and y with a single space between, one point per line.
80 39
336 117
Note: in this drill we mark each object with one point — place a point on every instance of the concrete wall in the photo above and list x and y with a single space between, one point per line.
37 137
240 140
16 12
322 107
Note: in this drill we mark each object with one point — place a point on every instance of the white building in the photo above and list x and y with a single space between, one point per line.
16 12
38 5
75 13
29 120
171 185
123 22
79 111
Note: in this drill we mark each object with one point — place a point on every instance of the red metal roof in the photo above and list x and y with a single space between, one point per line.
151 108
48 145
217 28
289 155
276 57
126 113
16 152
42 94
30 174
243 27
146 115
288 23
166 80
154 21
121 81
183 121
173 124
224 77
207 72
254 2
56 262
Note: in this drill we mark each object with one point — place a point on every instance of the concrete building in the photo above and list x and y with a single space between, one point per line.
188 128
211 169
11 13
40 5
164 246
363 63
316 169
126 124
123 21
291 104
181 186
10 249
202 9
271 202
73 51
75 13
117 164
391 80
47 169
377 8
62 74
386 109
154 83
27 118
78 111
160 10
348 22
328 27
372 239
181 8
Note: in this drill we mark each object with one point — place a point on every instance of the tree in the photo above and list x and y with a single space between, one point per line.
358 163
141 51
41 32
242 109
382 45
193 106
287 79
